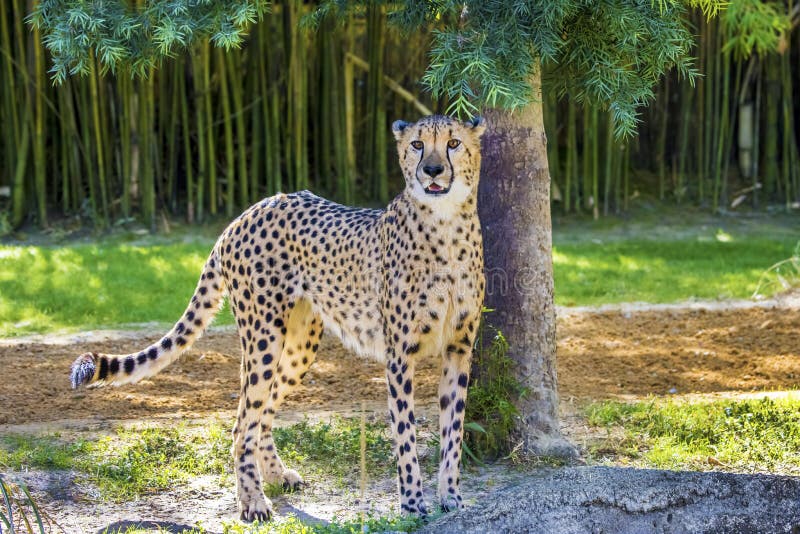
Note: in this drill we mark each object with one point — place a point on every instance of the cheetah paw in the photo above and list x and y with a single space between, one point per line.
450 503
292 481
418 508
258 509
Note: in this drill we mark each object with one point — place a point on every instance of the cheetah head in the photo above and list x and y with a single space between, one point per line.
440 159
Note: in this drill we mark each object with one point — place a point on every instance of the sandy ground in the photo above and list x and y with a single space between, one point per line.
601 355
623 352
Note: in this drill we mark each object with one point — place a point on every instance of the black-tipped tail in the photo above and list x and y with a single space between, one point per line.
83 369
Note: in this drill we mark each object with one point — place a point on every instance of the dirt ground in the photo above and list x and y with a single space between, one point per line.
601 355
622 353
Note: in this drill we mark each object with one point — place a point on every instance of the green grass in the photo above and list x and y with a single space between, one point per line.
87 286
760 435
117 282
131 463
333 449
138 461
293 525
592 273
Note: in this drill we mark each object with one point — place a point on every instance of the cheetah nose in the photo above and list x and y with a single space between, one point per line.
433 170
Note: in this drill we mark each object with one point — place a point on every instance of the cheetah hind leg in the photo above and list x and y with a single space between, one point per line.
303 333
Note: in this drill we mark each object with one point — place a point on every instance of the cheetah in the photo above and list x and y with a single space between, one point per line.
394 284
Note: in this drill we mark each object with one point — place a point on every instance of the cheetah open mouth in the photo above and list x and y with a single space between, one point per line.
436 189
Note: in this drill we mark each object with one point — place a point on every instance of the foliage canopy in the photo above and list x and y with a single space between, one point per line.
485 52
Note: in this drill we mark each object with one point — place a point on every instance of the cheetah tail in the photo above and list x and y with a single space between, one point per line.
92 368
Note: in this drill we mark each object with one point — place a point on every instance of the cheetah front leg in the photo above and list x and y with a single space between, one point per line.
452 402
399 378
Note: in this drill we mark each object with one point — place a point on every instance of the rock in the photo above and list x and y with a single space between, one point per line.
623 500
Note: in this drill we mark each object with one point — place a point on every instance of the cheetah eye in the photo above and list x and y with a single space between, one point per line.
453 143
417 144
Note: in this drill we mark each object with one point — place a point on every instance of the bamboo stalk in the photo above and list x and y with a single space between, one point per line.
609 161
349 108
757 136
18 210
211 169
199 108
187 146
39 159
230 163
683 159
788 151
241 132
99 143
595 164
661 145
124 88
771 131
571 163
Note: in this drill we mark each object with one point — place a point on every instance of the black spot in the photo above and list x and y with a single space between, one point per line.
129 364
462 380
444 402
266 359
262 345
103 368
153 353
253 379
166 343
459 405
114 367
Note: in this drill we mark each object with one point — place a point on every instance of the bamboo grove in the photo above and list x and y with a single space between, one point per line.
210 132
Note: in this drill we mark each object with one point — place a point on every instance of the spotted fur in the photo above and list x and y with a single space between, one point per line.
393 284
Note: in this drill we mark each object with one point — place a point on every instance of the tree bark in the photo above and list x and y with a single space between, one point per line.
514 208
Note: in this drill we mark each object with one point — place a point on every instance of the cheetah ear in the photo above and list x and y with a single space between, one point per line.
477 124
398 127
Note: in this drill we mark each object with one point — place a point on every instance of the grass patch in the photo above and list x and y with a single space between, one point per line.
334 448
293 525
122 283
741 435
592 273
131 463
88 286
138 461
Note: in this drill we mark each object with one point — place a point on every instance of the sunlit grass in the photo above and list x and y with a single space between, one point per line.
136 461
760 435
88 286
112 284
292 525
637 270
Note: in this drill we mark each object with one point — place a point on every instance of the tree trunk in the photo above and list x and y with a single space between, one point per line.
514 208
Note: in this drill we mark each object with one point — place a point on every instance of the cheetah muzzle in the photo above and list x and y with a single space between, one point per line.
393 284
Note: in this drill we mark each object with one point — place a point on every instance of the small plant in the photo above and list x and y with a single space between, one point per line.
782 276
19 512
491 411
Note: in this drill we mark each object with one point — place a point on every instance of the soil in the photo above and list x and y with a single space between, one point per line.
604 355
623 353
